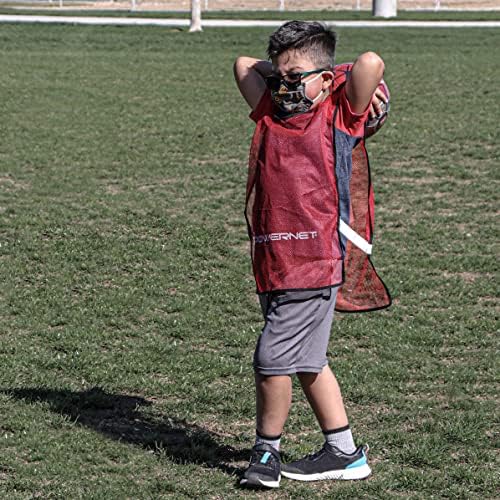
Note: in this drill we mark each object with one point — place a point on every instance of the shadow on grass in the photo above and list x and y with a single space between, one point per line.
119 417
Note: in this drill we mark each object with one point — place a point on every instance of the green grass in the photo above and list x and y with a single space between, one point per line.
127 308
322 15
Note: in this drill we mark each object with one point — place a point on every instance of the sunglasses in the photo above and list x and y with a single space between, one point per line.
274 82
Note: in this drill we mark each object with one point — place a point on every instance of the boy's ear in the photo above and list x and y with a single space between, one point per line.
327 78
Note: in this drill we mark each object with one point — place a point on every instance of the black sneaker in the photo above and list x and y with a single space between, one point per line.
329 463
264 469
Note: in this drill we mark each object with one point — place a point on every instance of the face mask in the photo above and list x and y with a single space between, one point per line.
290 98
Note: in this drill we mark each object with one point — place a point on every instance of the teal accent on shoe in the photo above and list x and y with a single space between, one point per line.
358 463
265 457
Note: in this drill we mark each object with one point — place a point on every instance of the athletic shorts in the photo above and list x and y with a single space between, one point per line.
296 331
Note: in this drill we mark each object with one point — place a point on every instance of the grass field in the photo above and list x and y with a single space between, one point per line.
128 318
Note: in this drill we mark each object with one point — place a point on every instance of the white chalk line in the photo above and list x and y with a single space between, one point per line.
234 23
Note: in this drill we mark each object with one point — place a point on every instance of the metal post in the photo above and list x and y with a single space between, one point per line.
358 4
282 5
384 8
195 16
134 4
437 4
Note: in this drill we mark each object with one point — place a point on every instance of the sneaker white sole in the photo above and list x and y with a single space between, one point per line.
361 472
259 482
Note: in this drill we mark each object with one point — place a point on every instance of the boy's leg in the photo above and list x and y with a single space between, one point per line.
273 398
283 346
295 340
323 393
339 458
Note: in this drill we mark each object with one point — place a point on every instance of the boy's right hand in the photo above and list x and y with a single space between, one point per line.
249 74
377 105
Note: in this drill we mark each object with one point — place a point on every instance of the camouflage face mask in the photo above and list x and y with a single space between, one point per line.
290 96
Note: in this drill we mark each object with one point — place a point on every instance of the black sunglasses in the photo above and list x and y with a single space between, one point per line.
274 82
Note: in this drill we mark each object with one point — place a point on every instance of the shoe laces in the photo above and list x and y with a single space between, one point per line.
257 455
318 454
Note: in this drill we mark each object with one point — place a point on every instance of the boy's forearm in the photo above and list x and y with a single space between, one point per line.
366 73
264 68
245 64
249 74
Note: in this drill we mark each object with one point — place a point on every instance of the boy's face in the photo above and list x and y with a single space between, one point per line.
291 62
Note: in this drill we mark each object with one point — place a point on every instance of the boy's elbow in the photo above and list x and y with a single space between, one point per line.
240 67
244 62
238 62
373 63
236 65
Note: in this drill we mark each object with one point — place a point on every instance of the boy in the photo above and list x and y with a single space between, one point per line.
298 207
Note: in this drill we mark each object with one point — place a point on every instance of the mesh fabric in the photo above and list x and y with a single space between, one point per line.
292 203
363 290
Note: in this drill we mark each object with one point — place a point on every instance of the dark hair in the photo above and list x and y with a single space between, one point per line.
312 39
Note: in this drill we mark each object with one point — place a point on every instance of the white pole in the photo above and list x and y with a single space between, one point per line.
134 4
437 4
282 5
384 8
206 4
358 4
60 4
195 16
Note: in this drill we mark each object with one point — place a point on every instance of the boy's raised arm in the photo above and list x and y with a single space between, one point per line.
366 73
249 74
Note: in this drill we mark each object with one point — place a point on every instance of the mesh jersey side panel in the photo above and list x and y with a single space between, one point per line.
363 290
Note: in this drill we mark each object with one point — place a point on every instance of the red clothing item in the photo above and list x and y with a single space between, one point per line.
298 187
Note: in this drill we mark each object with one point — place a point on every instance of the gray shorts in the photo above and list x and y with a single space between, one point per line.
296 333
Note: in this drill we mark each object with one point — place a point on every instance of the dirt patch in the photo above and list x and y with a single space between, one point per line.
412 180
225 430
162 182
113 189
490 301
7 183
467 277
218 160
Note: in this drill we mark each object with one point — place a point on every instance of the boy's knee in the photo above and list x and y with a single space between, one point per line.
263 362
